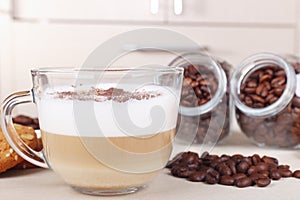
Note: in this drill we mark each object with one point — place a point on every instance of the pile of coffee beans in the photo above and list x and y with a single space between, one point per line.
199 86
261 89
236 170
27 121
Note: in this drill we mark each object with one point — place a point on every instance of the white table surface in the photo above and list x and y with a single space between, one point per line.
44 184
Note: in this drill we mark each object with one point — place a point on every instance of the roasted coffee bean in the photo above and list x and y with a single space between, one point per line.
197 176
237 158
243 182
190 158
257 99
242 167
296 174
255 159
283 167
255 176
210 157
252 84
231 165
224 158
227 180
270 160
265 173
212 177
264 93
252 170
223 169
248 160
280 73
259 89
266 77
182 172
262 166
250 90
238 176
274 174
285 172
263 182
273 100
278 81
204 155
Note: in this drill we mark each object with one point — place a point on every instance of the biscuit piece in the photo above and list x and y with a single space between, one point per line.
27 165
24 165
8 157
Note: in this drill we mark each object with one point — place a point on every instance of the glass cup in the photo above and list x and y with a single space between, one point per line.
104 131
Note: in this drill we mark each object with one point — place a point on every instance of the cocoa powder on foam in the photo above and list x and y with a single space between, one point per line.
101 95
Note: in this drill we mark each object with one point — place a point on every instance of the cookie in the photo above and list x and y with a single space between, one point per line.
27 165
8 157
24 165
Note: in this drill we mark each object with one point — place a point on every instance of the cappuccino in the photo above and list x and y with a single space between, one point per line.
108 139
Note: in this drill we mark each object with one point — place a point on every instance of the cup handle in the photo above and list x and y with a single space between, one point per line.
10 133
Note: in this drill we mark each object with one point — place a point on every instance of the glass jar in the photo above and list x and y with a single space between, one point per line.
204 113
266 97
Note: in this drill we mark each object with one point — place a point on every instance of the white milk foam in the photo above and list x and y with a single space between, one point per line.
59 116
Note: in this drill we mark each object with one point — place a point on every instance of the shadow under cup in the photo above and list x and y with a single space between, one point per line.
105 132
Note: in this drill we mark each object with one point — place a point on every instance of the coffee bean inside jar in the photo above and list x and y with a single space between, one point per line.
204 115
267 107
263 87
199 85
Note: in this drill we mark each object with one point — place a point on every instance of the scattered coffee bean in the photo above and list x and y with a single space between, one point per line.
296 174
238 176
227 180
197 176
283 167
270 160
231 165
224 169
243 182
236 170
181 172
242 167
263 182
265 173
262 166
255 159
199 86
252 170
274 174
237 158
285 173
212 177
255 176
261 89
